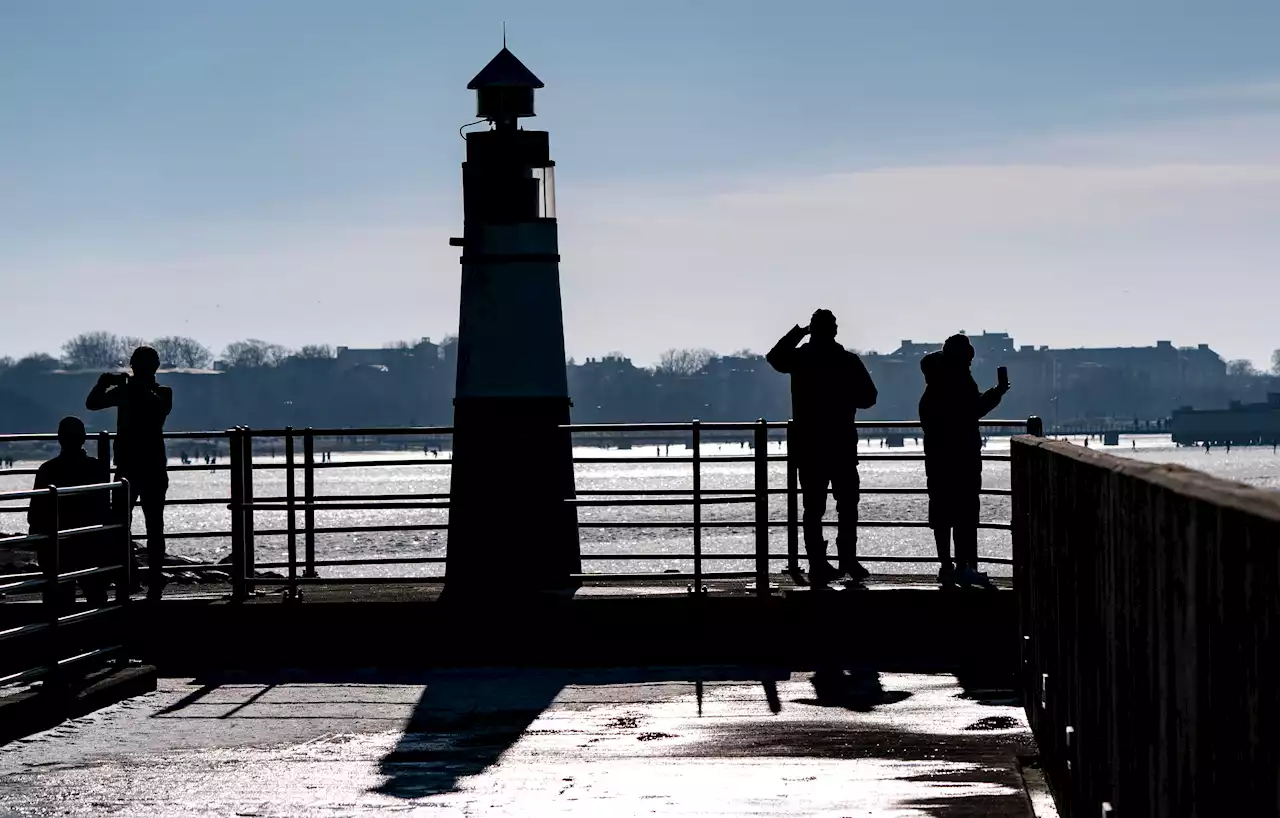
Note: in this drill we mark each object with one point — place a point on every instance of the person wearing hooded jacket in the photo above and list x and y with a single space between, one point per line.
950 409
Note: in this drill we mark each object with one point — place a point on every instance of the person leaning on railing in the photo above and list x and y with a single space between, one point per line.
142 406
72 467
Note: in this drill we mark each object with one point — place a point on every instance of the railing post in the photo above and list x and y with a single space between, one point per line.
793 508
123 516
104 455
239 586
696 442
292 522
1035 426
246 466
52 596
762 508
309 497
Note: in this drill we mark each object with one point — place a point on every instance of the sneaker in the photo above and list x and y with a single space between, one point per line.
946 574
856 571
969 577
822 573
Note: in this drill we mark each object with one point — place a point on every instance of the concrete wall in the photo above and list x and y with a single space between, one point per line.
1149 610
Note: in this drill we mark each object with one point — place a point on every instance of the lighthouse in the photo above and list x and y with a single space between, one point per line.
509 523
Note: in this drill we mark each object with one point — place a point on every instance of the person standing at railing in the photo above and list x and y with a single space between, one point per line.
829 384
72 467
950 409
142 405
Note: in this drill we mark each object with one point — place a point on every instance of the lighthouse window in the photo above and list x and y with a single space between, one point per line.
546 178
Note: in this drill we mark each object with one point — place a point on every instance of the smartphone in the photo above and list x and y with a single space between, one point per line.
1002 375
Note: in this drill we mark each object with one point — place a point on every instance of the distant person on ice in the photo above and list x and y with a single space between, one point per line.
142 405
949 412
829 384
73 467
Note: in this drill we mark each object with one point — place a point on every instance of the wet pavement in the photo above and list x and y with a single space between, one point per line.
650 741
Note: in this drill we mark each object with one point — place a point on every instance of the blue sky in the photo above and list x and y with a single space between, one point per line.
1078 174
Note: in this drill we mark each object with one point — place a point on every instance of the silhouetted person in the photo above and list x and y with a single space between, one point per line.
950 410
141 408
829 384
72 467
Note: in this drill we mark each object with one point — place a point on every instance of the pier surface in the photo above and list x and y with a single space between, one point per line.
694 740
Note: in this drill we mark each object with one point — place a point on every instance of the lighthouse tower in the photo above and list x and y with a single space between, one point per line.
509 524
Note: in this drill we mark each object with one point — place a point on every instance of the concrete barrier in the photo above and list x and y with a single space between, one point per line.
1149 616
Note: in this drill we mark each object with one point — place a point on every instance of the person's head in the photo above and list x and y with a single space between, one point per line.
145 361
931 365
822 326
958 350
71 434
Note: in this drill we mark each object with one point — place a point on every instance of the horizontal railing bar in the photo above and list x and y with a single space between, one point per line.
302 506
23 630
348 580
353 464
44 670
27 494
19 539
746 458
706 501
371 561
84 616
682 575
772 524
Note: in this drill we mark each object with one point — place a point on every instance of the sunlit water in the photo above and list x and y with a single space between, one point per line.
1254 465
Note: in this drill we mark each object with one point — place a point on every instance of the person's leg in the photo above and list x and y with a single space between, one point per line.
942 542
846 488
813 494
154 490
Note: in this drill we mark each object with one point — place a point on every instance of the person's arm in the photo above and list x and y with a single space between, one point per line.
163 397
38 510
990 399
863 388
783 355
105 393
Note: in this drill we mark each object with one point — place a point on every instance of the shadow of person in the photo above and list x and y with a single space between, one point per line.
857 689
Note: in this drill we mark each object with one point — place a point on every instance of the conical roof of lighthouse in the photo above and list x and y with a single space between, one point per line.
504 69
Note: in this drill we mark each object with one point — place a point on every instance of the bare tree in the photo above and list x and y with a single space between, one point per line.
684 361
315 352
181 352
92 350
1275 363
252 352
1241 369
125 345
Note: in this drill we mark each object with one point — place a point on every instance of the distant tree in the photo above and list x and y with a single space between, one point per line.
125 345
34 363
315 352
684 361
252 353
1241 369
398 345
92 350
6 362
183 353
1275 363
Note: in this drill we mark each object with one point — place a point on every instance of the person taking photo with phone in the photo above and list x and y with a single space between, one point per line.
950 409
142 405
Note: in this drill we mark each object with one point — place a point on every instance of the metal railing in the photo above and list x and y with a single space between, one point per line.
37 650
302 564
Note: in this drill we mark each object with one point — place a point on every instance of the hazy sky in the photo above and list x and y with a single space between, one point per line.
1084 173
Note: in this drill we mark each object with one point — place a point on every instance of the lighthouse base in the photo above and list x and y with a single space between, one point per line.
509 525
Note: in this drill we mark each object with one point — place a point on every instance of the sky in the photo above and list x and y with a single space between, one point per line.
1076 174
